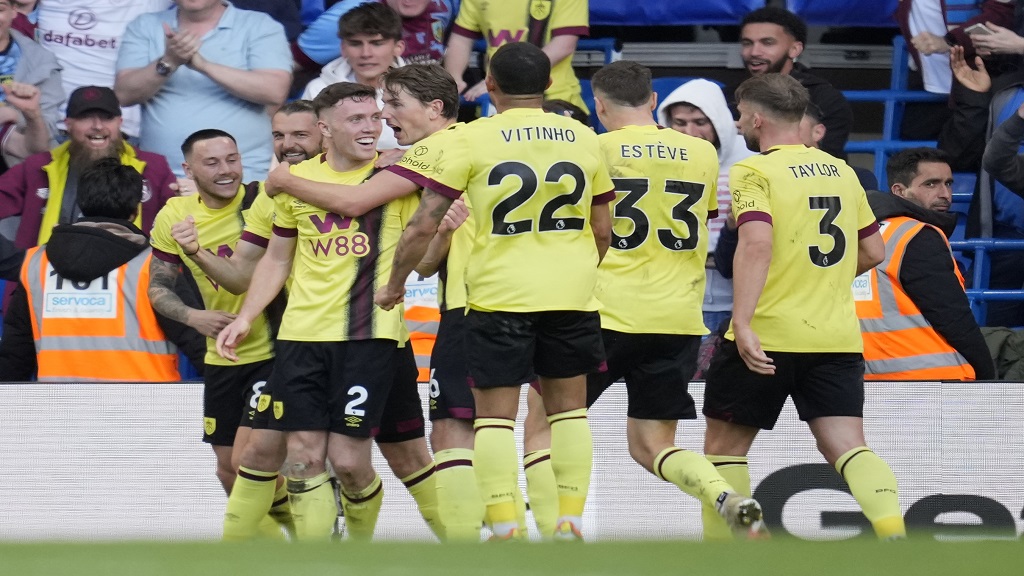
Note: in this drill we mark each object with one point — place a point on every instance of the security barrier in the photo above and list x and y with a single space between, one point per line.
125 461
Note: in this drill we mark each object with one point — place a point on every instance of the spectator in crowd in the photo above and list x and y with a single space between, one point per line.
930 28
425 26
43 190
914 316
554 27
771 40
106 255
88 57
371 43
698 108
26 17
205 64
31 95
285 12
813 131
567 109
996 210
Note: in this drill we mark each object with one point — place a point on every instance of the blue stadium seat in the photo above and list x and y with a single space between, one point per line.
870 13
187 370
894 100
669 12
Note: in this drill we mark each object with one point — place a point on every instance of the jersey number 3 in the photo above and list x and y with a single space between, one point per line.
827 227
528 187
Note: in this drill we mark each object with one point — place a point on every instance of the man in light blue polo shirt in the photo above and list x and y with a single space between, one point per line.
205 64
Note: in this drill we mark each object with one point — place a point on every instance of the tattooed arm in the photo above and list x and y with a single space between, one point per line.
162 276
413 246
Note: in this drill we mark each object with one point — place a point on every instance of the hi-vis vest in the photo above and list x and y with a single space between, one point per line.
899 344
422 322
103 330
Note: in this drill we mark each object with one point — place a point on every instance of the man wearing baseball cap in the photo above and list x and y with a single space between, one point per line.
42 190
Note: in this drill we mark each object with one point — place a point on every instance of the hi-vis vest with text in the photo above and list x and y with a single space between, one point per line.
422 322
899 344
103 330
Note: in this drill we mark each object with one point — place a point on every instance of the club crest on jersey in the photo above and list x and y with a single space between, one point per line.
209 425
278 409
43 193
540 9
264 403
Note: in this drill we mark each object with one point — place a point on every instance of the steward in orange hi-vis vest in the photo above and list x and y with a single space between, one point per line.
914 316
423 322
99 330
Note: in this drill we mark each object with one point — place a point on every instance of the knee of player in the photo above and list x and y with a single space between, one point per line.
303 466
643 451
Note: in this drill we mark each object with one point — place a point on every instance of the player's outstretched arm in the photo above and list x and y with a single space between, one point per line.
752 260
601 225
413 246
870 252
442 241
272 270
162 277
233 273
345 200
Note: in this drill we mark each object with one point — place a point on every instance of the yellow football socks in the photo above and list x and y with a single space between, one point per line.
281 509
734 470
458 496
691 473
542 490
313 509
362 509
248 504
874 486
422 486
497 471
572 457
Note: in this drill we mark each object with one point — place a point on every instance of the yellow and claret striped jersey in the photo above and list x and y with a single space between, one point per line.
417 165
818 212
531 178
505 22
652 280
219 230
340 262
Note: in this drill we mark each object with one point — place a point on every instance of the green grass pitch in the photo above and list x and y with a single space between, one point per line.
789 557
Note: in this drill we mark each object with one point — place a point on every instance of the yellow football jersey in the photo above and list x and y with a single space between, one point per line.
219 230
500 23
417 165
340 262
259 220
817 210
652 280
531 195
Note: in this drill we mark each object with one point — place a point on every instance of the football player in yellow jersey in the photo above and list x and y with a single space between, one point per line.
258 488
213 161
538 196
337 363
553 26
421 103
805 231
651 284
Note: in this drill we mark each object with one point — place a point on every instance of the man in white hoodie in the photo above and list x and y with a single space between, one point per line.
371 44
698 108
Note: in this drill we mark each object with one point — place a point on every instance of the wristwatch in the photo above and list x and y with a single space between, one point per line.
163 68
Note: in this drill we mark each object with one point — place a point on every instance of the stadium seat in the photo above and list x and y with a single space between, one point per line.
868 13
669 12
894 99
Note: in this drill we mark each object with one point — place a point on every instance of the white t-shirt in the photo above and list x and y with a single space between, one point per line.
926 16
84 35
